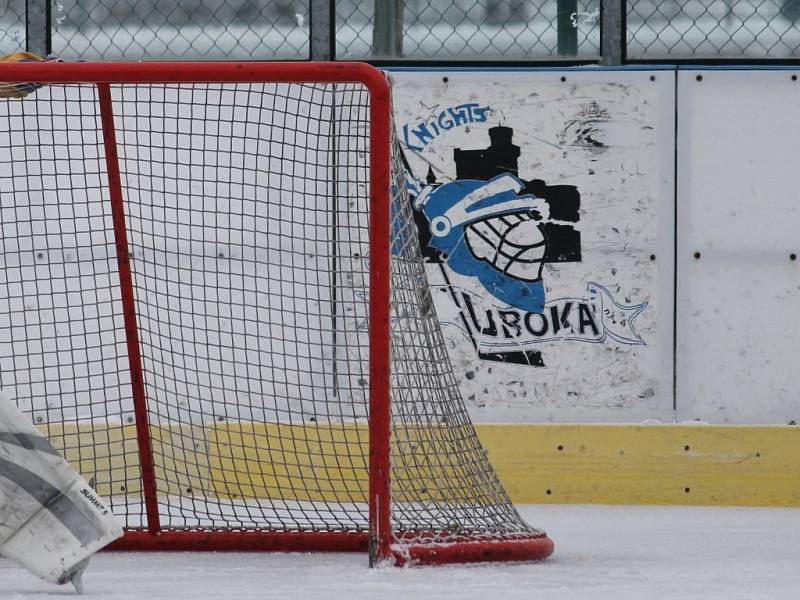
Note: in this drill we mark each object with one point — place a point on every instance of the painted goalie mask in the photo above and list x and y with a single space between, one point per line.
490 230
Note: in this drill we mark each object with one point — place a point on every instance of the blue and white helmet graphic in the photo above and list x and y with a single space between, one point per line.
490 230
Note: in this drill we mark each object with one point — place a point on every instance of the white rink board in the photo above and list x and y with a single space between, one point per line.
737 335
610 134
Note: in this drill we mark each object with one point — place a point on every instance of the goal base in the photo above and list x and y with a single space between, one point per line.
209 540
527 549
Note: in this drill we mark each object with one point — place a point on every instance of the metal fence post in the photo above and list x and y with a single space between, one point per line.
322 23
37 27
613 32
567 27
387 40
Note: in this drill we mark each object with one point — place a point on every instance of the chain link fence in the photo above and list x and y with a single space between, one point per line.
12 26
700 29
468 30
180 29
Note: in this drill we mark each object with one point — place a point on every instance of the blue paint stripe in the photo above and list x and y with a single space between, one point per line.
795 68
528 69
592 68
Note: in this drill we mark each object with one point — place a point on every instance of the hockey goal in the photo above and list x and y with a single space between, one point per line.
213 301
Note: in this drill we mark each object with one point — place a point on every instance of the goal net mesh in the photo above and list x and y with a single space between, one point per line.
247 213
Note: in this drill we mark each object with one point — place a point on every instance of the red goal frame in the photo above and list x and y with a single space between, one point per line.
378 540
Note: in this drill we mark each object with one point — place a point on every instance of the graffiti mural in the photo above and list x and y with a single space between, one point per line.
490 225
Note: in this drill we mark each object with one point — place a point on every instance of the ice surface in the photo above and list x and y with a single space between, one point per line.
602 553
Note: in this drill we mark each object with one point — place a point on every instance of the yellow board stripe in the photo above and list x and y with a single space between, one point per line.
611 464
293 462
647 464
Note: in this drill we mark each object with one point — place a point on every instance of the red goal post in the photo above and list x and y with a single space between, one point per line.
468 518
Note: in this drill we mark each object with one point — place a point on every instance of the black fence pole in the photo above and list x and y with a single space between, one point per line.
38 21
387 40
567 27
322 24
613 32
